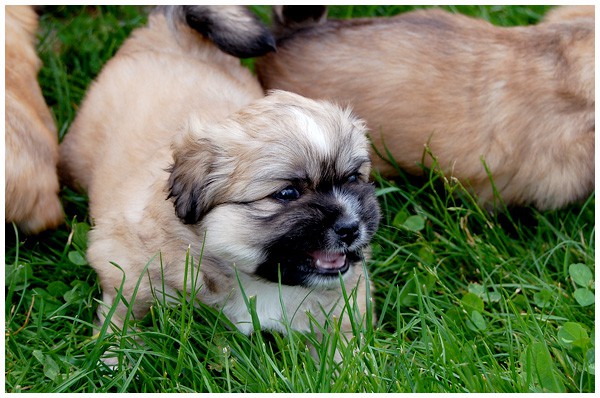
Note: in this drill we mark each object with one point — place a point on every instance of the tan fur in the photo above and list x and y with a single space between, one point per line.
520 98
160 102
569 13
31 185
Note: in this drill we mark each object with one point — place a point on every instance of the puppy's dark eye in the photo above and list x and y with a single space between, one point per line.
287 194
353 178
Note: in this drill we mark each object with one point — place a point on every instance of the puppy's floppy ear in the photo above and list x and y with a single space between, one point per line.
198 177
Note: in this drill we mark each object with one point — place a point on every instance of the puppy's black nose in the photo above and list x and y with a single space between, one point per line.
347 231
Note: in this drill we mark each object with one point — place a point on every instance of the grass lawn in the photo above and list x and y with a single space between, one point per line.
465 301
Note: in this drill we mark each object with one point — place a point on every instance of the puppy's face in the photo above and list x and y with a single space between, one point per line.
281 190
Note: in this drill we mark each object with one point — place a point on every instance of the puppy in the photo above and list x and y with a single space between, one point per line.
31 184
519 101
180 152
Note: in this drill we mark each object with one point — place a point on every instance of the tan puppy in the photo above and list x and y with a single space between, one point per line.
31 185
179 151
521 98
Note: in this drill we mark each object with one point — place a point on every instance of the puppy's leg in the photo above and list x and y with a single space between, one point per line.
126 288
352 314
359 314
31 184
118 311
124 300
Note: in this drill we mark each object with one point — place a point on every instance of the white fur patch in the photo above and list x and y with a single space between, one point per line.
270 304
314 132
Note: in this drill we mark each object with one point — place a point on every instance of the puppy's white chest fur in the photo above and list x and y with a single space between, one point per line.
275 304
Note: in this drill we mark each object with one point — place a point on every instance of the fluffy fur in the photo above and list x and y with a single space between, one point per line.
179 151
31 184
522 98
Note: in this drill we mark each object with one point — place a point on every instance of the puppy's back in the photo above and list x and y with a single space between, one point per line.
465 88
158 75
569 13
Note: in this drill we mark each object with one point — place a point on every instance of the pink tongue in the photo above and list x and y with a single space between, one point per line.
325 260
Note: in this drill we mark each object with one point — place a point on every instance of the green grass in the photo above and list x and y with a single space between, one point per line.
465 301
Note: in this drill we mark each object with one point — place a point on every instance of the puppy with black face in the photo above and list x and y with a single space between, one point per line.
181 153
279 192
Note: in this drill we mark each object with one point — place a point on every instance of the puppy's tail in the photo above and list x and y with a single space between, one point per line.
289 19
234 29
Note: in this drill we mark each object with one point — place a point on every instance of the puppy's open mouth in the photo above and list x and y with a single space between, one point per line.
328 262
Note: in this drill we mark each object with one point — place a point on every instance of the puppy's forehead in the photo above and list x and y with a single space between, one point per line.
324 143
319 139
301 124
326 128
295 139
